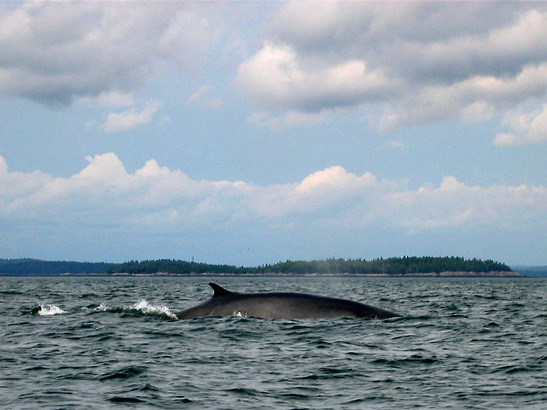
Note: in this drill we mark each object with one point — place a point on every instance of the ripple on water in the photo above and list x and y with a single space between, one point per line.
123 373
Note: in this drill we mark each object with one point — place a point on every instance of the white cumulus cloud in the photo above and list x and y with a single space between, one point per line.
119 214
275 77
155 194
525 128
127 120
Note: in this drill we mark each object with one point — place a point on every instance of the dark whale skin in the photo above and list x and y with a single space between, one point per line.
281 305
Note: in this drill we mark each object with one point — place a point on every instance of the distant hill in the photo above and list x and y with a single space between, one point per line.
533 271
27 267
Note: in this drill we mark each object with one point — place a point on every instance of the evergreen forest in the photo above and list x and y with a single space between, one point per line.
391 266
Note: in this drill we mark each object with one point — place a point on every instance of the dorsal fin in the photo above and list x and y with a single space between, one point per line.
219 290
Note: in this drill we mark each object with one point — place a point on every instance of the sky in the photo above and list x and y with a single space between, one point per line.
255 132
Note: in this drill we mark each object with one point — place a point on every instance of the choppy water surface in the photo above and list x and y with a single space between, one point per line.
102 343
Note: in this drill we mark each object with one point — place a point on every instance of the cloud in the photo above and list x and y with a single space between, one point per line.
452 41
526 128
454 65
395 144
106 167
205 96
127 120
106 212
473 99
287 119
112 99
275 78
200 93
54 52
315 59
159 199
454 204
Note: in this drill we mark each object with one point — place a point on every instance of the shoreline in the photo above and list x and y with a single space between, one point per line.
493 274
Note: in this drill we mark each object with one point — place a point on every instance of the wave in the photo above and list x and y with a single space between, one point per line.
126 372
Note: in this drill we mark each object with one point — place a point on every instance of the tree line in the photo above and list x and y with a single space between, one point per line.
28 267
407 265
392 266
172 266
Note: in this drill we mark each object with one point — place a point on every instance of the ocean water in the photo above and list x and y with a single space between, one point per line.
103 343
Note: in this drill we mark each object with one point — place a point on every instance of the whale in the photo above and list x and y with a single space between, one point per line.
280 305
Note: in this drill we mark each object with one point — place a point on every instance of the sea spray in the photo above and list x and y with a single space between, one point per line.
149 309
48 310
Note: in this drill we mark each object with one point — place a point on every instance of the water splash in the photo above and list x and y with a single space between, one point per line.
147 308
238 313
48 310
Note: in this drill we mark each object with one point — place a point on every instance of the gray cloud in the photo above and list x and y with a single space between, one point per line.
436 60
52 52
410 37
415 62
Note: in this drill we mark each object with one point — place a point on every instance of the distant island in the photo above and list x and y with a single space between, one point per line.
405 266
532 271
32 267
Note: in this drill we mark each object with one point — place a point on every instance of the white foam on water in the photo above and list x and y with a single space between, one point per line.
147 308
238 313
101 308
50 310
